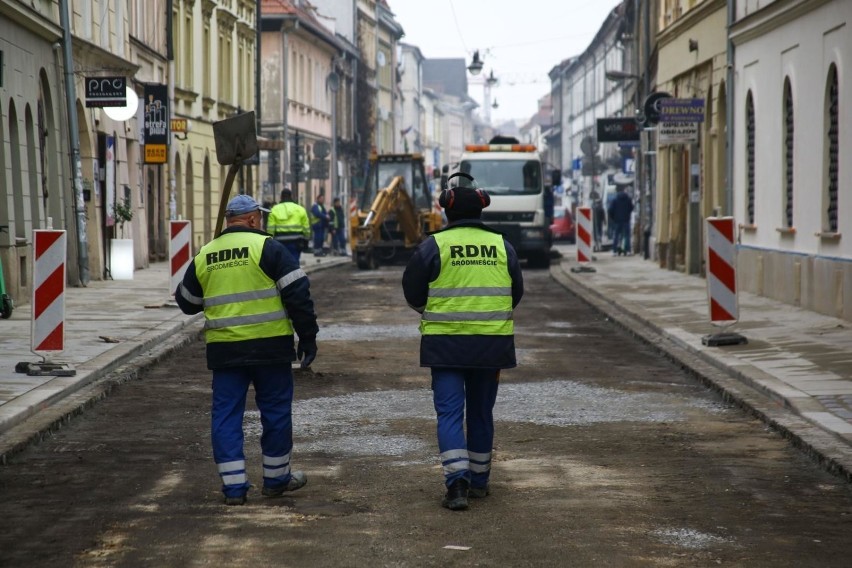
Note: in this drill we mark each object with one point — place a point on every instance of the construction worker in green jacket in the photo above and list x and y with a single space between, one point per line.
288 224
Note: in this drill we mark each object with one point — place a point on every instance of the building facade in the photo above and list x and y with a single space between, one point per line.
792 194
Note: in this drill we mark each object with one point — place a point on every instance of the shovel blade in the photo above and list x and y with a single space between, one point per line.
236 138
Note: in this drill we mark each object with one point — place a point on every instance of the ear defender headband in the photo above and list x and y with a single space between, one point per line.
448 197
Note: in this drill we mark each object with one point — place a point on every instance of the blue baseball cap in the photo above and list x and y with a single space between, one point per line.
242 204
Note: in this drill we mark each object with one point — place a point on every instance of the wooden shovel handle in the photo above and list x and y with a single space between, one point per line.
226 193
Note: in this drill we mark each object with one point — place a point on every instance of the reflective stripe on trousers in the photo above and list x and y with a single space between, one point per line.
465 395
273 385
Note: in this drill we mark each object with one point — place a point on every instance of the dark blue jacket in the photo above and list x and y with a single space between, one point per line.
459 351
277 262
620 208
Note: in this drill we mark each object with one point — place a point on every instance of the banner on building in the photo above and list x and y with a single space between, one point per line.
106 91
681 110
109 174
156 131
677 133
619 129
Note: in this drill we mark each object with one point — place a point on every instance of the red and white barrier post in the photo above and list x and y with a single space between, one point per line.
179 251
722 281
583 229
48 303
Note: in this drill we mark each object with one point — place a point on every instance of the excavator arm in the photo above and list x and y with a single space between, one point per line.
391 205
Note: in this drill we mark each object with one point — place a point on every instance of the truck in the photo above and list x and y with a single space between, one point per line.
394 213
513 176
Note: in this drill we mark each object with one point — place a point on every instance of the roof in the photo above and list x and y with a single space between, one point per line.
446 76
302 10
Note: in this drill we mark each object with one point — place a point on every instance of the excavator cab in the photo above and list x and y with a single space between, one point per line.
395 211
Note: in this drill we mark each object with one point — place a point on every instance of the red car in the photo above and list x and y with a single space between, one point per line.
563 225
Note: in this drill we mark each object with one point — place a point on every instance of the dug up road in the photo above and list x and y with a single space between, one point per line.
606 454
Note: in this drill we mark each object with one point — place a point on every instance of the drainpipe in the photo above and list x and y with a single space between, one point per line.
74 140
729 115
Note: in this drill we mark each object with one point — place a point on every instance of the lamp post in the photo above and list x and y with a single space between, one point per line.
333 85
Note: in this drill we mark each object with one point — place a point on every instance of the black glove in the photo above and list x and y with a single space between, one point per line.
306 352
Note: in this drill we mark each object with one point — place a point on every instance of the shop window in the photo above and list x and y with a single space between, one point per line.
750 139
833 150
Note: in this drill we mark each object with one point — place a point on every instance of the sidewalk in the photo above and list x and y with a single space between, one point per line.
795 373
107 324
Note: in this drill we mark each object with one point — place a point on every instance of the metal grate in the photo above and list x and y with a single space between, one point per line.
750 159
788 153
833 150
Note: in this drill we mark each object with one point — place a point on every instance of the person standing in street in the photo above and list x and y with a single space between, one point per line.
620 212
337 224
253 295
319 224
465 280
288 224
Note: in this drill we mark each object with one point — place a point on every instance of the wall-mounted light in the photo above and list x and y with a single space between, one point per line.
494 104
127 111
476 65
693 45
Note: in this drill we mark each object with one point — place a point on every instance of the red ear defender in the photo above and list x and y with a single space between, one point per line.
446 199
484 198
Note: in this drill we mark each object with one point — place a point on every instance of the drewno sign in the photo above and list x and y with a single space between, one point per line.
156 112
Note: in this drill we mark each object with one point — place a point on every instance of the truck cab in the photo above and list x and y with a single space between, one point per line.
513 176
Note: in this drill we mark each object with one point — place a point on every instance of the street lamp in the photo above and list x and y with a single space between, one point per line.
620 75
476 65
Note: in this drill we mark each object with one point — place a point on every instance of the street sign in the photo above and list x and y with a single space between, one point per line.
322 149
677 132
619 129
681 110
319 168
589 146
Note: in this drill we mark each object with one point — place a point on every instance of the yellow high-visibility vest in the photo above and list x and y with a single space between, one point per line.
473 292
240 301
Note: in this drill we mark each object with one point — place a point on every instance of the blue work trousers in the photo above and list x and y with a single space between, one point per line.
295 248
474 392
273 385
319 238
621 240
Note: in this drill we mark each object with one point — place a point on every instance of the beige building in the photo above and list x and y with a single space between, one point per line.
691 179
214 44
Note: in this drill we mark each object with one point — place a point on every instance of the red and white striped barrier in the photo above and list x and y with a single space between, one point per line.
48 307
722 271
179 251
584 234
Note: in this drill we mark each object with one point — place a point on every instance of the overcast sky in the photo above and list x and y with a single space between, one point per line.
521 40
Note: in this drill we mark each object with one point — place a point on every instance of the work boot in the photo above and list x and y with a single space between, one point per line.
456 497
479 492
297 480
239 500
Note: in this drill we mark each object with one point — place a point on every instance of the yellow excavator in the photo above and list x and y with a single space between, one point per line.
395 211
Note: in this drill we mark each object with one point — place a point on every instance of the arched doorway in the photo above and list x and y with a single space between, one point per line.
17 181
50 154
178 186
189 188
33 176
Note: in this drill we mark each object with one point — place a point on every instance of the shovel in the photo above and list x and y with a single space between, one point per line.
236 142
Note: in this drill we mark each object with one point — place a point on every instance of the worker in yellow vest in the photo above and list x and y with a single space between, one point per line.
254 296
465 280
288 224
